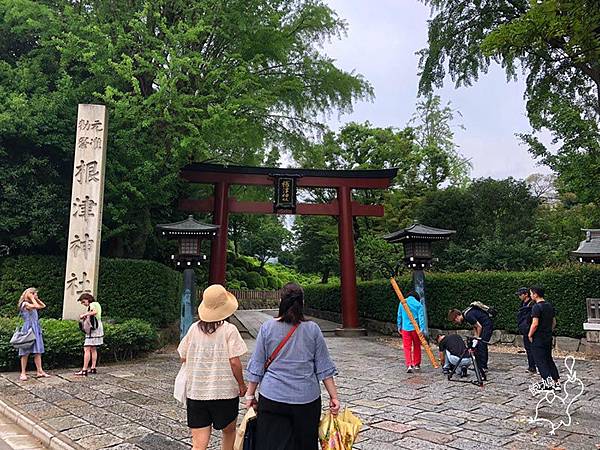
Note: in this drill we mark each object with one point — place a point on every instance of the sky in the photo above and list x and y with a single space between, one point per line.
383 37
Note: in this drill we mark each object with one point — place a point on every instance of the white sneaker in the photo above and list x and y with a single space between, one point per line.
409 369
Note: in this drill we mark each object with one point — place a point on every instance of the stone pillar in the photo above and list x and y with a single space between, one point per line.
188 300
83 250
592 344
419 284
592 328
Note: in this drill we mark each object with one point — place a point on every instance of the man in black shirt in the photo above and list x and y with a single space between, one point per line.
453 351
482 329
540 336
524 323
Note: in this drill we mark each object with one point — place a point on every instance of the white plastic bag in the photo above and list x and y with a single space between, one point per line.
179 391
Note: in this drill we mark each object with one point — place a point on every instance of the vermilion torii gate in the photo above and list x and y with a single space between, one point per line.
285 182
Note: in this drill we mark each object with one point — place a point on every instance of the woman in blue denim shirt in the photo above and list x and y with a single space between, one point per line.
289 406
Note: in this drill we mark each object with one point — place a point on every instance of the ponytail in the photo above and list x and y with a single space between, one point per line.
292 304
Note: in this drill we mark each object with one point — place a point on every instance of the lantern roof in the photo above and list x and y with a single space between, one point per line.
419 232
590 248
188 227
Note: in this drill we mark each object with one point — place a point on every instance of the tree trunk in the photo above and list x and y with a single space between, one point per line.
140 237
325 276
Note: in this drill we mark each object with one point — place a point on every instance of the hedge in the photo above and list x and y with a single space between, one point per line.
63 342
566 288
127 288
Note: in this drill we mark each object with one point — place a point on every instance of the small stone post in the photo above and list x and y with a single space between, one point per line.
592 329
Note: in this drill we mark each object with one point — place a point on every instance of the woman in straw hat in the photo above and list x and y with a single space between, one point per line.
28 305
289 407
211 350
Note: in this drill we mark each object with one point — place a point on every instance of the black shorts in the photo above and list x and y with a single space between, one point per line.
218 413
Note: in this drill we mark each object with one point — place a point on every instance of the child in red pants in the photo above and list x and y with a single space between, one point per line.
410 338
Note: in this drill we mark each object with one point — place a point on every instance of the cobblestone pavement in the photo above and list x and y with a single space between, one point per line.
130 406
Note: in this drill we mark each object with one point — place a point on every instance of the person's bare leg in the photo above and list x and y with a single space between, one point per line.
86 357
94 357
86 361
228 436
37 359
23 376
200 437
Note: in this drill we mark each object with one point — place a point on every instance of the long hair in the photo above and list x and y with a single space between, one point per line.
24 295
292 304
413 294
209 327
537 290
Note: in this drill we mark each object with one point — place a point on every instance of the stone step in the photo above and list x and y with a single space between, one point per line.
250 321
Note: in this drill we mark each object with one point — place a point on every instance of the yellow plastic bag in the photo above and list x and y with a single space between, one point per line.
241 430
339 433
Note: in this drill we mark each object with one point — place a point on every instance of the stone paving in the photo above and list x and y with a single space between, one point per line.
130 406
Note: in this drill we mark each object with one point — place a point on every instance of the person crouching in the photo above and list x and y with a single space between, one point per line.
453 353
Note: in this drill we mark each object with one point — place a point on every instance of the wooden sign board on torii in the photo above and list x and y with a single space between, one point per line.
343 181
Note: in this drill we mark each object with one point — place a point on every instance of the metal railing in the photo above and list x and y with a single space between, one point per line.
256 295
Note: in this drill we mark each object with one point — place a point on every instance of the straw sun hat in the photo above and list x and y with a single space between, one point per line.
217 304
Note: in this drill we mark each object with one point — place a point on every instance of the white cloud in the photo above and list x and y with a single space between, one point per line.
383 37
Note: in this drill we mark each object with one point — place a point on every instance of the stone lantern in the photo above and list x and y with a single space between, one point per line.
417 240
189 233
589 250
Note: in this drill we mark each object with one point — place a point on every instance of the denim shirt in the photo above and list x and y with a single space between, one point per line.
294 376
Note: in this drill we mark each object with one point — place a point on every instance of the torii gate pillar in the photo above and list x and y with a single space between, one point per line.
350 323
218 249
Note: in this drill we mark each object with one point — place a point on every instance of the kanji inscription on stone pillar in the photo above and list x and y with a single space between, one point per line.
83 249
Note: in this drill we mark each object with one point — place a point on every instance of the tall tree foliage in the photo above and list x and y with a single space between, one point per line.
557 45
183 81
316 243
493 219
440 160
267 241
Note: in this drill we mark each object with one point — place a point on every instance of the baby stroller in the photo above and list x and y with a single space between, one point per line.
469 353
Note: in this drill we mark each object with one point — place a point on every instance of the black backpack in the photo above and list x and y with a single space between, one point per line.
489 310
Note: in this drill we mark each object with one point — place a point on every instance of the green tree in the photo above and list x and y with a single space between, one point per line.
494 222
183 81
374 256
439 158
362 146
557 45
316 245
267 240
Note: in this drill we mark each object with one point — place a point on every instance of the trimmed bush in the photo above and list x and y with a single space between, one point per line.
127 288
566 288
63 342
253 280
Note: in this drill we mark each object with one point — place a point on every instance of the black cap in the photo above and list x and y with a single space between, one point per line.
521 291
